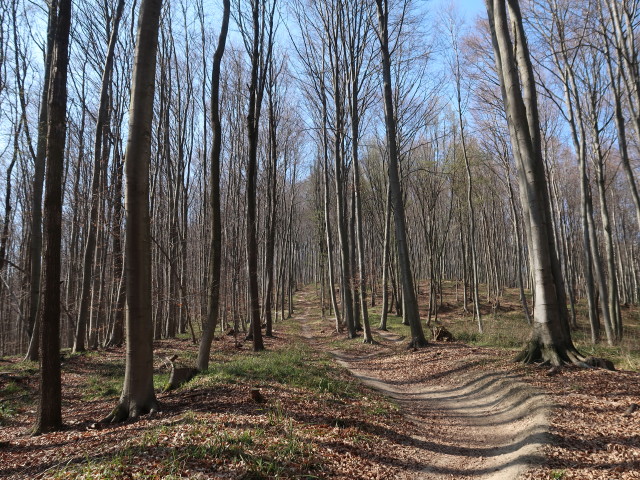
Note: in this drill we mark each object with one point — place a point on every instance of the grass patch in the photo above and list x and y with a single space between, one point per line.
98 387
7 411
296 366
16 389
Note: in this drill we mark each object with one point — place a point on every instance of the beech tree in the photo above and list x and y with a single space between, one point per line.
98 161
35 246
410 310
215 246
551 338
138 396
49 415
258 37
324 185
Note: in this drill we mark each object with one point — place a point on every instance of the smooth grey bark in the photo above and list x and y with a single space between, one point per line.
138 396
551 338
613 322
215 245
410 302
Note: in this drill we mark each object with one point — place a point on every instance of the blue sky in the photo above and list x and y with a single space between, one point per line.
470 8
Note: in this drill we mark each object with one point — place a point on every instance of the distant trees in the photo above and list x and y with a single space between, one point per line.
368 168
102 123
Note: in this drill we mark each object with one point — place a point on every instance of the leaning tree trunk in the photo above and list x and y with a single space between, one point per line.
90 246
215 247
49 416
138 396
410 301
551 338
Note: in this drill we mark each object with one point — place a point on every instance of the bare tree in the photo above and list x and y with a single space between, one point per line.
551 338
258 38
456 67
35 247
411 313
98 162
215 258
138 396
49 415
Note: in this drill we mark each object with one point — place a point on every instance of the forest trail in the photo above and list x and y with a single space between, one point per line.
475 423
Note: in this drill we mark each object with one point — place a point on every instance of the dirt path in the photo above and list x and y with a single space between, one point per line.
474 424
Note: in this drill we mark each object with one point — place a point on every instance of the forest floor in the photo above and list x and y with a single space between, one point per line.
450 410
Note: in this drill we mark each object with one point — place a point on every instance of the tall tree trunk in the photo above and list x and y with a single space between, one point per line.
117 332
385 262
343 234
472 220
327 207
252 173
49 415
215 246
258 38
138 396
410 307
271 217
35 245
551 338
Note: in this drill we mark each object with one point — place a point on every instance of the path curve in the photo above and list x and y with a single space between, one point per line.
485 425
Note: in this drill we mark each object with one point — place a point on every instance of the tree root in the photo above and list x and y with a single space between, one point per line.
549 355
559 356
416 343
123 413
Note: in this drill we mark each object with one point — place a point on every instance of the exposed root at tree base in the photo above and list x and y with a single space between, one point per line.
417 343
558 356
122 413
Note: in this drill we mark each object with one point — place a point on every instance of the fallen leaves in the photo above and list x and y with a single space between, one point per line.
218 431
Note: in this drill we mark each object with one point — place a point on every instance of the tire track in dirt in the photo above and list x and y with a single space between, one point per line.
482 425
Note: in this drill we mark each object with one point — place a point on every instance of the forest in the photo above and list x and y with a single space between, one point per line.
275 235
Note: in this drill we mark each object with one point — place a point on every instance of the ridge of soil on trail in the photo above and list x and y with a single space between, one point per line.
475 420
